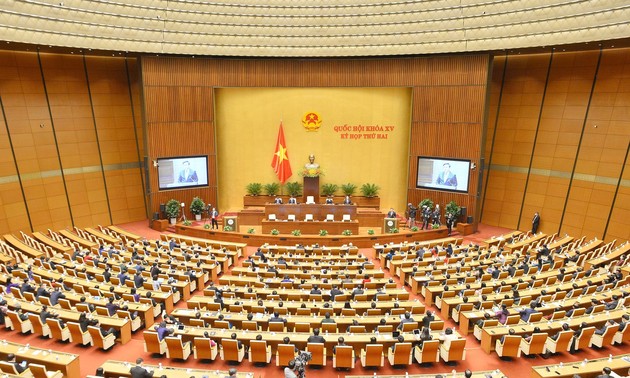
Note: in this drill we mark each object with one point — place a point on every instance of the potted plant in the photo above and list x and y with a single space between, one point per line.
370 190
370 232
414 228
228 229
275 232
172 210
348 189
206 226
272 189
250 230
254 188
196 207
296 232
393 230
346 232
294 188
329 189
187 223
425 202
323 232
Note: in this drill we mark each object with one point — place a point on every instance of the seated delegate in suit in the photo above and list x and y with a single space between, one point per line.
347 201
447 177
187 174
278 201
292 201
329 200
140 371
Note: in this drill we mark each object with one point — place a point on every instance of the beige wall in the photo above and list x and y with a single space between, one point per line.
247 127
562 132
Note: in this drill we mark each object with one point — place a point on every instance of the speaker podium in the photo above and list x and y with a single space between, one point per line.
389 224
232 222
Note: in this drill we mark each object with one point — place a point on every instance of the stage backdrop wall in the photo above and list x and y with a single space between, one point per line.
447 112
249 118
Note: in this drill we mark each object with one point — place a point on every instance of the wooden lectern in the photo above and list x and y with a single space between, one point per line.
231 221
389 224
311 188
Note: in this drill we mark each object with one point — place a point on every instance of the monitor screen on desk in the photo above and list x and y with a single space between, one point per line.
443 174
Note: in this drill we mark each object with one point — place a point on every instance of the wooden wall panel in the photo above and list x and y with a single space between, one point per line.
448 103
31 93
584 94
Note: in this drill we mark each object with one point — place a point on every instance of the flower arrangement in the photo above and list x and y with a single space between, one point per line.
311 172
206 226
346 232
187 222
414 228
275 232
296 232
227 229
250 230
323 232
370 232
435 226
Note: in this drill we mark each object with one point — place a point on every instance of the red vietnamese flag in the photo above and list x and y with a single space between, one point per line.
280 162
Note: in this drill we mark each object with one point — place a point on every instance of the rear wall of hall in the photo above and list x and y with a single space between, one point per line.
557 143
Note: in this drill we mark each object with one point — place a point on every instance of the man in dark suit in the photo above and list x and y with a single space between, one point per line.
138 280
391 213
316 338
347 201
426 217
140 371
278 201
292 201
329 200
535 222
605 373
427 319
19 366
411 215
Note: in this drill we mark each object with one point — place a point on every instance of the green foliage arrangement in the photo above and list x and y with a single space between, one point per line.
197 206
187 222
348 189
370 190
272 189
370 232
254 188
250 230
329 189
453 208
172 208
294 188
393 231
435 226
206 226
323 232
296 232
228 229
414 228
275 232
346 232
425 202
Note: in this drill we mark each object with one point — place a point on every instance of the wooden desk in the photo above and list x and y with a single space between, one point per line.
23 247
311 273
75 238
310 228
501 239
465 228
67 363
475 374
199 301
522 243
122 325
130 236
103 236
357 340
618 252
318 211
53 244
591 369
490 335
121 369
313 251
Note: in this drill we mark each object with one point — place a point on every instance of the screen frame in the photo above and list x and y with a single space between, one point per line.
445 159
160 159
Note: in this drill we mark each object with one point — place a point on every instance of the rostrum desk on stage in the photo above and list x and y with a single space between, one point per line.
310 227
319 211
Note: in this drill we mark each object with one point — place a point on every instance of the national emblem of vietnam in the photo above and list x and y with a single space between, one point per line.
311 121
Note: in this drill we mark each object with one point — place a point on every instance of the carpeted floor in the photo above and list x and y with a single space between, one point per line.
476 359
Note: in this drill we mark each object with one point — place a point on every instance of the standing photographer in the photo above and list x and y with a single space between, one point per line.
289 371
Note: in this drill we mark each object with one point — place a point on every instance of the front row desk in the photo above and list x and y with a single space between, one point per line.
317 212
310 227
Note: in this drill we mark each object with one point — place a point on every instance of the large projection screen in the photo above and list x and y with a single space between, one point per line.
182 172
443 174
